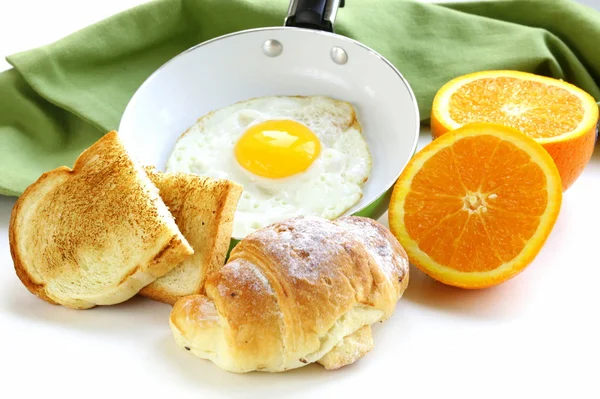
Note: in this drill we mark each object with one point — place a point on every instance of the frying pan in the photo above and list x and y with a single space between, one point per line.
303 57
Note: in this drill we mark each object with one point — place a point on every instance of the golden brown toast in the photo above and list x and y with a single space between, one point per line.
95 234
203 209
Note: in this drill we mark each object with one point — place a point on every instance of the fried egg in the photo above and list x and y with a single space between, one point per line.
292 155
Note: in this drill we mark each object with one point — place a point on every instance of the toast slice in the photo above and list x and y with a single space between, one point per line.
95 234
203 209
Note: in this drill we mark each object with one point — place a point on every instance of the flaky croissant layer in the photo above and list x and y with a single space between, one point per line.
293 293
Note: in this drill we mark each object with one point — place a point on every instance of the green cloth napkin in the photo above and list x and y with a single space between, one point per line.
62 97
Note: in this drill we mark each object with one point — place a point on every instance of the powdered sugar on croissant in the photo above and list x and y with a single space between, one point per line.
296 292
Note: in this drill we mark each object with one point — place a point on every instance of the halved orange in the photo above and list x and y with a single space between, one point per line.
558 115
474 207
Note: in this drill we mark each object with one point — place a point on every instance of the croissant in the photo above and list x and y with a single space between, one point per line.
301 291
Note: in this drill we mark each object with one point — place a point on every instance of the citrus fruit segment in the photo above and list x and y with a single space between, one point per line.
474 207
558 115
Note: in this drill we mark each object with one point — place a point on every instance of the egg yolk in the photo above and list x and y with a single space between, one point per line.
277 148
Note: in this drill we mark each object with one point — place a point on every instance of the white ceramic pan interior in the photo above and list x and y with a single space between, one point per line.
236 67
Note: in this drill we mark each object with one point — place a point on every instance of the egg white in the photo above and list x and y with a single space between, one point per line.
328 188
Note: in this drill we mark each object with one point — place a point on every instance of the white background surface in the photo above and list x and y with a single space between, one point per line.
535 335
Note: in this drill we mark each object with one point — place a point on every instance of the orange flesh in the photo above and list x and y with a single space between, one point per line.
535 108
474 206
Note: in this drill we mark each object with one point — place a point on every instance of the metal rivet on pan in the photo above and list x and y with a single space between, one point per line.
272 48
339 55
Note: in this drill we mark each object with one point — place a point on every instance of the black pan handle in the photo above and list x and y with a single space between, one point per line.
313 14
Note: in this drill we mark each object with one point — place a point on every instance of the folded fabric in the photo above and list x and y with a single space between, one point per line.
62 97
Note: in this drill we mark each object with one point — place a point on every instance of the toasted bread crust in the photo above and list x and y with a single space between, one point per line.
170 256
36 288
226 207
105 216
203 209
159 294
